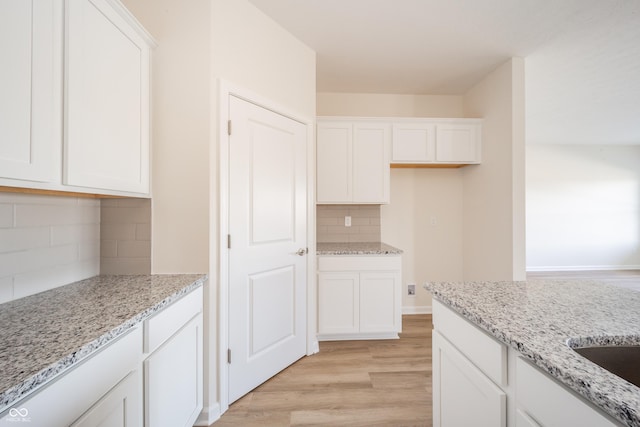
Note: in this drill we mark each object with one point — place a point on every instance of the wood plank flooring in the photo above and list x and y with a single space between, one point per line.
624 278
348 383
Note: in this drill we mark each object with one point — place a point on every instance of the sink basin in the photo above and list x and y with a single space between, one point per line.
623 360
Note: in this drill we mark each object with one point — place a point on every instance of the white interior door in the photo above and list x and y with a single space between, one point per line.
267 227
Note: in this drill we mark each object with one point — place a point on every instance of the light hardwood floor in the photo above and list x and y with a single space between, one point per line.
624 278
348 383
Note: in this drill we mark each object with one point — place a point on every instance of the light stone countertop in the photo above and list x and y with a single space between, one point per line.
353 248
45 334
537 318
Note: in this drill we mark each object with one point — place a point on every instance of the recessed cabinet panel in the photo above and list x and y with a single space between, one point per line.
371 176
413 142
456 143
107 79
338 295
30 82
334 162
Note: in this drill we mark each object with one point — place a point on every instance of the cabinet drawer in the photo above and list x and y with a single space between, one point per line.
169 321
359 263
488 354
551 404
65 398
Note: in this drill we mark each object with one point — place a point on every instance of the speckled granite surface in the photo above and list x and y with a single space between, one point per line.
367 248
45 334
537 318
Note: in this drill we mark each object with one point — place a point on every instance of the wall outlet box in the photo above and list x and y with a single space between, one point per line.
411 289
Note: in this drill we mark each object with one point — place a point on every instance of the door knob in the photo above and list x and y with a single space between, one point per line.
302 251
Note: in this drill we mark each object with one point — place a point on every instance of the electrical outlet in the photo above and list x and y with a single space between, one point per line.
347 221
411 289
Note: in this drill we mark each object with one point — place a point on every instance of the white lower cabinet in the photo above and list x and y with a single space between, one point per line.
547 403
173 372
151 376
120 407
463 394
107 386
478 381
359 297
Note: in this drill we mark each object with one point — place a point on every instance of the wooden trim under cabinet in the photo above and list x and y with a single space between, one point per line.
429 165
21 190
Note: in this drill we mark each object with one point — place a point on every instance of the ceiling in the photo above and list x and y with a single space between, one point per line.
582 57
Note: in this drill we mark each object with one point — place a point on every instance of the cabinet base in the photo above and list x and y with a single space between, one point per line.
359 336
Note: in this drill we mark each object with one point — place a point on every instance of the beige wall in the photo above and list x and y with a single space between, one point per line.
201 41
493 207
583 207
431 252
181 85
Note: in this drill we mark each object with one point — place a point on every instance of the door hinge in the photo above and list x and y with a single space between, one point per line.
228 355
228 127
228 241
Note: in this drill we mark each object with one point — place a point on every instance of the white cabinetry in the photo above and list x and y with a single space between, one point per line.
108 385
151 376
437 142
30 89
353 162
173 370
469 369
479 381
100 121
359 297
106 142
544 402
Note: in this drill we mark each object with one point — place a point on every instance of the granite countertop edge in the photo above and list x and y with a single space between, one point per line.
357 248
36 381
579 379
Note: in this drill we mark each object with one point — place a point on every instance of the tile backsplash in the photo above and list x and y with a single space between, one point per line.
46 242
365 223
125 236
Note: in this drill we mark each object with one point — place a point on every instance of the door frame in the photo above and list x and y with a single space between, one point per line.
225 90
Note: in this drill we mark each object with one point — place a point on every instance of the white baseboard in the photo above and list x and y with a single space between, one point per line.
209 416
412 309
584 268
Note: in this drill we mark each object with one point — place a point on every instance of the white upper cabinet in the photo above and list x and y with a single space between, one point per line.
353 162
30 89
437 142
74 97
458 143
106 143
414 142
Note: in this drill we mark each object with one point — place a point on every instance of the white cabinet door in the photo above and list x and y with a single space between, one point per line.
30 89
173 379
107 99
371 174
413 142
353 162
380 302
551 404
462 394
338 303
457 143
120 407
334 169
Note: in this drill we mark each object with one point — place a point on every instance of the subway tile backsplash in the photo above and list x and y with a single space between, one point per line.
125 236
365 223
46 242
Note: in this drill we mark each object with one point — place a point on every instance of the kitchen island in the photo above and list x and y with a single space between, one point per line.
537 321
46 335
